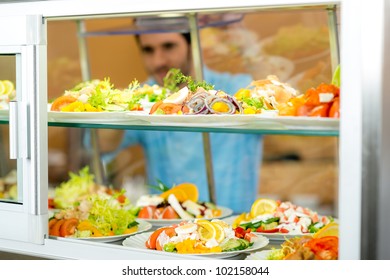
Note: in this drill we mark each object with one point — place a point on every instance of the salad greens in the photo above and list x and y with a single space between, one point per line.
175 77
108 214
67 193
336 77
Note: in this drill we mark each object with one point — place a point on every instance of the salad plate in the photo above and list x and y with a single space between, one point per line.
196 120
281 237
226 212
138 242
261 255
302 122
90 117
142 227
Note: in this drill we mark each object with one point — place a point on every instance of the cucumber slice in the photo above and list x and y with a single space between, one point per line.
232 244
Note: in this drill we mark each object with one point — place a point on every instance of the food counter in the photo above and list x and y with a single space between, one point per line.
361 166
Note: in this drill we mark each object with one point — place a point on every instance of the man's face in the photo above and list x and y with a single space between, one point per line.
164 51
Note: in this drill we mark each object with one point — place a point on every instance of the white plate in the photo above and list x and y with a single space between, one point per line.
89 117
226 212
142 227
262 255
303 122
281 237
196 120
138 241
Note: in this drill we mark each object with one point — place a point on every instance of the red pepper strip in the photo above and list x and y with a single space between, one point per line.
267 230
239 232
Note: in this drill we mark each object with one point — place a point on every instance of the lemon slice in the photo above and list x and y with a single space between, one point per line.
9 86
263 206
2 88
177 97
206 230
220 232
223 224
331 229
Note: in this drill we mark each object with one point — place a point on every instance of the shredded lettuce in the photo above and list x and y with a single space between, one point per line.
108 215
275 254
67 193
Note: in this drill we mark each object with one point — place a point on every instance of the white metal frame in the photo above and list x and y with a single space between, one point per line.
26 220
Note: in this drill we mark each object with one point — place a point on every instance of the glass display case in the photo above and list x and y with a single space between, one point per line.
28 122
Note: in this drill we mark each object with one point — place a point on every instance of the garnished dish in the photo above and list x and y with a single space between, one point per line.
101 96
79 186
83 209
323 245
198 237
277 219
176 204
100 217
322 101
195 98
265 95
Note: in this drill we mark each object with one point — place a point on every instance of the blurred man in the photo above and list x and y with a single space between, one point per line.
174 156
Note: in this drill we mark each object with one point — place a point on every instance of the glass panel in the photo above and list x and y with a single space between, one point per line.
9 190
299 164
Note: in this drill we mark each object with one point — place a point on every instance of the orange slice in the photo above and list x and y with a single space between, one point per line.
183 192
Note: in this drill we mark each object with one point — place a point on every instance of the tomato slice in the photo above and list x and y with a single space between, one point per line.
155 107
320 111
62 101
334 111
169 213
147 212
68 227
52 222
55 229
151 242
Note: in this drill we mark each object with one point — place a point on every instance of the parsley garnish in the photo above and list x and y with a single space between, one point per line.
175 77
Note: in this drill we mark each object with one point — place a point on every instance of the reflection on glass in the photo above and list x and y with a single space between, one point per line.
8 175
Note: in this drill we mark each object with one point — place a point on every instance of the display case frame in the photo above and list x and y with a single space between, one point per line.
360 156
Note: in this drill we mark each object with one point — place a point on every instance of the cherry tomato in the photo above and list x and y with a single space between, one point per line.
122 198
